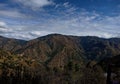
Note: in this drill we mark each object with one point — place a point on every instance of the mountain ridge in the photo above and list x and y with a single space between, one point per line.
56 50
61 56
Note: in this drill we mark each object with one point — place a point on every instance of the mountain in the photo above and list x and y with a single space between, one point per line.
98 48
56 50
57 59
11 44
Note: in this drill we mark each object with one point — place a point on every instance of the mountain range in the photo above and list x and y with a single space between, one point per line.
58 59
55 50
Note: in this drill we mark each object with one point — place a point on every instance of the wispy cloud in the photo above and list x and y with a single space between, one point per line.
2 24
35 4
6 11
81 25
11 13
64 19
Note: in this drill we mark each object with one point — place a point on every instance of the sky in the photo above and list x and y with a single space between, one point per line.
29 19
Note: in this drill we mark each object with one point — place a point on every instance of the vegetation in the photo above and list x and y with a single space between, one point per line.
15 69
57 59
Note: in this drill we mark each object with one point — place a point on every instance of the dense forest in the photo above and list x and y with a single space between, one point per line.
16 69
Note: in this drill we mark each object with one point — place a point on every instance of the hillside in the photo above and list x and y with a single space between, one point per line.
114 62
11 44
58 58
18 69
57 50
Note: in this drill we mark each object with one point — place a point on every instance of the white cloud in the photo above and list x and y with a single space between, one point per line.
2 24
67 22
11 14
91 24
4 28
35 4
66 5
39 33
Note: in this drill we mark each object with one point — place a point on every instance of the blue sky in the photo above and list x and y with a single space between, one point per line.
28 19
